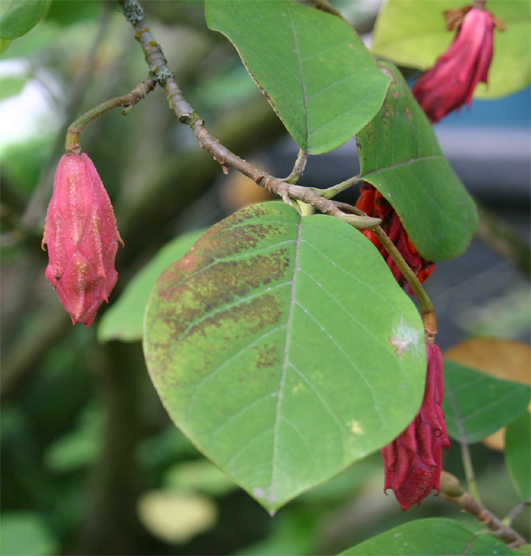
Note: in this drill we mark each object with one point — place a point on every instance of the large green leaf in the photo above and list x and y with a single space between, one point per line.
433 536
311 66
413 33
124 320
271 346
21 16
518 454
400 156
476 404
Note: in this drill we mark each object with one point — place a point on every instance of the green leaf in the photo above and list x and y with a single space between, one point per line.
198 475
11 86
26 533
433 536
312 67
413 33
78 448
21 16
4 43
69 12
124 320
269 344
523 549
518 454
476 404
400 156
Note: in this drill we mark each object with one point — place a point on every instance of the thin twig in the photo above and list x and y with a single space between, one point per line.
72 146
515 512
36 207
426 306
154 56
453 490
334 190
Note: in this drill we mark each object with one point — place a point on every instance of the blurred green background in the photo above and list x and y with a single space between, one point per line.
90 461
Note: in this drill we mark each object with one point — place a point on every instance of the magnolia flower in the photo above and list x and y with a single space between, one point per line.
451 82
82 239
413 461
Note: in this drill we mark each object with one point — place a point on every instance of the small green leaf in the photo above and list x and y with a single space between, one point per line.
312 67
476 404
21 16
518 454
80 447
400 156
198 475
413 33
433 536
523 549
124 320
269 344
11 86
26 533
4 43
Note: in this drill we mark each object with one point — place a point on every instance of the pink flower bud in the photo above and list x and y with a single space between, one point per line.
450 83
82 239
413 461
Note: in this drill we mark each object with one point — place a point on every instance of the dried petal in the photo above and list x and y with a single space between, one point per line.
413 461
451 82
81 236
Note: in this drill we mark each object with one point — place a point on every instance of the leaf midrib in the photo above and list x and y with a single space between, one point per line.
271 497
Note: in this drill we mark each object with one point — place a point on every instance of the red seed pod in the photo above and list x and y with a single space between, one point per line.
411 247
373 203
365 201
413 461
369 234
381 205
426 271
82 239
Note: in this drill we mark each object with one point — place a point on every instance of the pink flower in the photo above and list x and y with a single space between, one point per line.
450 83
413 461
82 239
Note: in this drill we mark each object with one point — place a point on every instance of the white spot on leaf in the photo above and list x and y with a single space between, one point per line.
355 427
405 338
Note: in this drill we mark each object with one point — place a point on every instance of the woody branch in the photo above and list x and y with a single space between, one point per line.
154 56
453 490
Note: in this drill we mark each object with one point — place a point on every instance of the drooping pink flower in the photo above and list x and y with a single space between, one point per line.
413 461
81 237
451 82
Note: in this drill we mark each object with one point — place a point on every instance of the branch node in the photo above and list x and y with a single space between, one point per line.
132 11
161 75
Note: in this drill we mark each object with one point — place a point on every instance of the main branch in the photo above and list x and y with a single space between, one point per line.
154 56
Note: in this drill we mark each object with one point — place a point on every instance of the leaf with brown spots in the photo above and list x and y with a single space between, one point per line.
268 344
